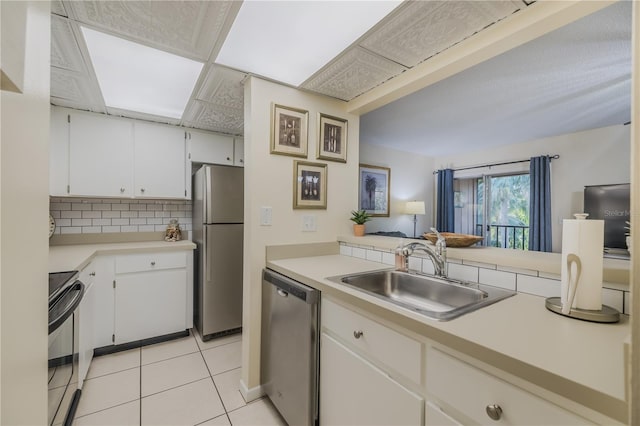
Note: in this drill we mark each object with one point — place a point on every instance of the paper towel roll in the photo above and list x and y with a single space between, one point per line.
585 239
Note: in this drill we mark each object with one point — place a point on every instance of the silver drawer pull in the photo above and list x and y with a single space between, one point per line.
153 263
92 274
358 334
283 293
494 411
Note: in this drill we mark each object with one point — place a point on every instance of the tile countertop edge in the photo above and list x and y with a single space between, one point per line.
76 257
615 270
557 369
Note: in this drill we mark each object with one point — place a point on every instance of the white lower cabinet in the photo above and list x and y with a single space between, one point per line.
355 392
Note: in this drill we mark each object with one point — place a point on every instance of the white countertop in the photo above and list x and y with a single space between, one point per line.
76 257
579 360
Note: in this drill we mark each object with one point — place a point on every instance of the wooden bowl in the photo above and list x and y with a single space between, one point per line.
454 240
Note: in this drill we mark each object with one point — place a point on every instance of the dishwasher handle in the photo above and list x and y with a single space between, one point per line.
290 287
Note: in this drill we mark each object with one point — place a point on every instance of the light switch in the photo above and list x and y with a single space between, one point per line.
309 223
265 216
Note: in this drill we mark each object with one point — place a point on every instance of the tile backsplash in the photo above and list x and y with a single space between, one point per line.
108 215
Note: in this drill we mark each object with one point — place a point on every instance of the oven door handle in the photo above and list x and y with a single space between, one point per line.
71 305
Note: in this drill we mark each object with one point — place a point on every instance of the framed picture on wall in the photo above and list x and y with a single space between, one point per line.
309 185
374 188
289 134
332 138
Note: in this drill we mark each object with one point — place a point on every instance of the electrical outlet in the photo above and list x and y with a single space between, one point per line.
309 223
265 216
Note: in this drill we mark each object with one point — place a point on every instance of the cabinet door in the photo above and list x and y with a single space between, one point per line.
150 304
238 152
104 307
210 148
59 152
159 167
100 155
354 392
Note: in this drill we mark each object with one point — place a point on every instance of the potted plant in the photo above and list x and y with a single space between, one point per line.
359 217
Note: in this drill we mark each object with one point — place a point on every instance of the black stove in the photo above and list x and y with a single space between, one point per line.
58 281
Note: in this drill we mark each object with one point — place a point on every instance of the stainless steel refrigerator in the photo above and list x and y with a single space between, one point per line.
218 215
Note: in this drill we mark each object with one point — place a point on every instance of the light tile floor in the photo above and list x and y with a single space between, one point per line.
181 382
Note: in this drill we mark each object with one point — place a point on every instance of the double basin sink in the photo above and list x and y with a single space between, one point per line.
437 298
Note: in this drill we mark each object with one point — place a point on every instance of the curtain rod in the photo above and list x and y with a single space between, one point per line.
553 157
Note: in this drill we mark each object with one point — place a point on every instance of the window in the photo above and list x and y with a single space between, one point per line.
506 209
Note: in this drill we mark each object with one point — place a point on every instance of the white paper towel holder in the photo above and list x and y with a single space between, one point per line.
605 315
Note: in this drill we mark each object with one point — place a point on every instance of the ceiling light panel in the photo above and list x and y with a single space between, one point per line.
288 41
139 78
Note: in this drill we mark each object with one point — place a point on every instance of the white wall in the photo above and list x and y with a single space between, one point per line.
24 202
269 182
411 179
593 157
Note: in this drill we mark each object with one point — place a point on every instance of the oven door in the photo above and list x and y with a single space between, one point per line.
63 353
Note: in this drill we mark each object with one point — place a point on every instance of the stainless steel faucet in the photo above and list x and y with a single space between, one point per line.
438 255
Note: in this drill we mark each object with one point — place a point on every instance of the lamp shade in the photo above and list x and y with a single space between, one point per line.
414 207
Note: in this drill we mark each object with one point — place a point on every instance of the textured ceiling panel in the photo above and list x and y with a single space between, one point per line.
188 28
58 8
420 29
64 49
217 118
223 86
74 87
351 74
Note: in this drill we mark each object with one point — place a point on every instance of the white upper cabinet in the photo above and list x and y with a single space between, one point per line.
209 148
238 152
159 167
100 155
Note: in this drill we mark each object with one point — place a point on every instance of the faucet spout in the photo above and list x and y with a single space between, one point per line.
438 256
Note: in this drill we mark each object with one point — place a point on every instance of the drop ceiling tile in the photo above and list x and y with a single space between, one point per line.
420 29
74 86
141 116
64 49
223 86
217 118
352 73
58 8
187 28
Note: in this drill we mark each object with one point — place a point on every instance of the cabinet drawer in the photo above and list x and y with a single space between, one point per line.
395 350
150 262
470 390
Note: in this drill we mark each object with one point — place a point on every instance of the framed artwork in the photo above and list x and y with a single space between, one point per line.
373 193
289 131
332 141
309 185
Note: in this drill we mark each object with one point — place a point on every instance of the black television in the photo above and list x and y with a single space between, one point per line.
610 203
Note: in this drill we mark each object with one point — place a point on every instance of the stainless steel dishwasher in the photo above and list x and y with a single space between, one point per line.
290 349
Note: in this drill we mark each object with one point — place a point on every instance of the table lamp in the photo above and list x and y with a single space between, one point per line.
415 208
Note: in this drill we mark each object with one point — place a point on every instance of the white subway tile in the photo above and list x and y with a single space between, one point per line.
68 214
497 278
627 302
388 258
479 264
162 214
71 230
138 207
120 221
110 229
138 221
159 228
63 222
55 214
146 228
120 207
374 256
170 207
80 222
129 214
519 271
428 268
613 298
463 272
80 206
101 222
91 215
415 263
91 229
186 220
345 250
154 221
130 228
60 206
537 286
100 207
110 215
146 214
154 207
359 252
187 227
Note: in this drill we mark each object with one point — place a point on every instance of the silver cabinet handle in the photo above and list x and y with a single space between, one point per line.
121 189
358 334
92 274
153 263
494 411
142 190
228 159
283 293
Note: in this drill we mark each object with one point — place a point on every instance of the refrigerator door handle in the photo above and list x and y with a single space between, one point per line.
207 267
207 214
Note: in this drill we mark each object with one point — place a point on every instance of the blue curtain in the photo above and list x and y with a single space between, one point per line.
445 213
540 204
